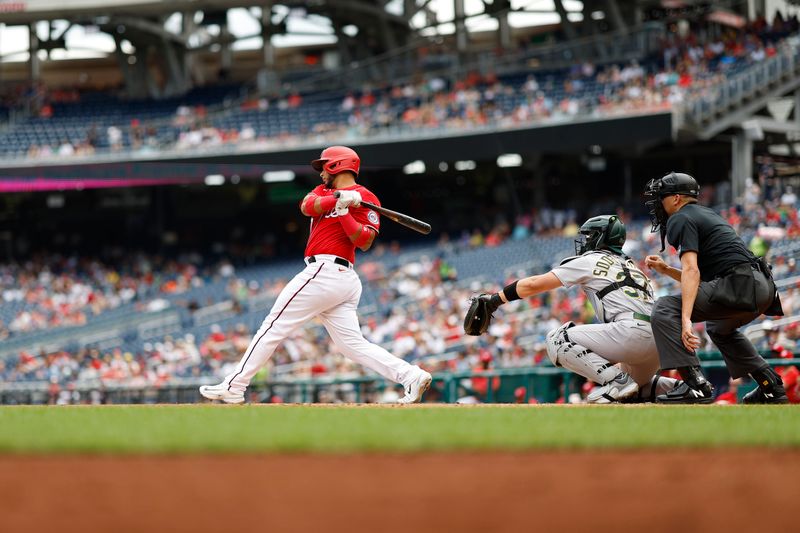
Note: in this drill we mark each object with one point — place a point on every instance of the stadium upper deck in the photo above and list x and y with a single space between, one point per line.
75 124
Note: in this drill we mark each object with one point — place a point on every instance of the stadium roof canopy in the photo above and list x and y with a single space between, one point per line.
358 29
391 22
21 12
26 11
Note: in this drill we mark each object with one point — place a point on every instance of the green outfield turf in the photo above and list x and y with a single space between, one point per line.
254 428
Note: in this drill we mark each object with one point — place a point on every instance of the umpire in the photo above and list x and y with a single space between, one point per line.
722 284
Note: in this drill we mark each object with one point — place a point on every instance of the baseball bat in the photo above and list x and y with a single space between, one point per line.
400 218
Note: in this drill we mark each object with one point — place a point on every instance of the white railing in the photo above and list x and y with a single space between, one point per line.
102 332
214 313
756 331
757 80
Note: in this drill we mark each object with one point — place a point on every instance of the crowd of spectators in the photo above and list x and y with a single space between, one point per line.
421 322
692 63
52 291
418 315
768 206
421 303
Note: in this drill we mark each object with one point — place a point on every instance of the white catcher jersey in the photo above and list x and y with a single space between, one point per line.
594 271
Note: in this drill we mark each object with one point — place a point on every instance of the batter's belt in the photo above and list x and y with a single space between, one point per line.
325 257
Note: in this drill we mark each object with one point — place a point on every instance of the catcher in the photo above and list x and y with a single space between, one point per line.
619 354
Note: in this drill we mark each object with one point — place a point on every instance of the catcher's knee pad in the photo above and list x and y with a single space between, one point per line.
584 362
556 338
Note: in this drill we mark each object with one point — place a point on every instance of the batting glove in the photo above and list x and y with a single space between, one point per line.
342 206
353 196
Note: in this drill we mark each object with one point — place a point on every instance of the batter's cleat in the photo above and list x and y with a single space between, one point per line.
221 392
417 388
683 393
620 388
770 388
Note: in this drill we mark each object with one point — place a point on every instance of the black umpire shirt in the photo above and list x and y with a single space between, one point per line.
695 228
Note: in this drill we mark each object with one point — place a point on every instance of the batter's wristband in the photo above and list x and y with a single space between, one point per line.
326 203
350 225
510 292
363 238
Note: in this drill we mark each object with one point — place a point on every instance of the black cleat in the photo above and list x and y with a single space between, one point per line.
770 388
683 393
758 395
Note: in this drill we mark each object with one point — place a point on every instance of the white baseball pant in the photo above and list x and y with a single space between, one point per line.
629 342
330 291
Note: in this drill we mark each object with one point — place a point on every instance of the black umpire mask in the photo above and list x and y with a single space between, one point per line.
658 216
673 183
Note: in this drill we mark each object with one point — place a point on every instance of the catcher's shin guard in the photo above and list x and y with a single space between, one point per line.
578 359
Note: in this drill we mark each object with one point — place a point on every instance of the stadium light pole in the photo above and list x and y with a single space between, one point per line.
797 108
33 53
267 50
461 27
566 24
500 13
226 48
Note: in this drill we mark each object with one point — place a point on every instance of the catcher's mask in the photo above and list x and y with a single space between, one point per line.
604 232
656 189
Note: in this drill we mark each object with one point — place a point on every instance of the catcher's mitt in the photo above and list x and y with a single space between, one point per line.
479 315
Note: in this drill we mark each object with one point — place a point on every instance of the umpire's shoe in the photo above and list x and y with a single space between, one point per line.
683 393
770 388
694 388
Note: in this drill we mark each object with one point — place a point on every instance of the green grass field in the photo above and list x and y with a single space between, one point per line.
253 428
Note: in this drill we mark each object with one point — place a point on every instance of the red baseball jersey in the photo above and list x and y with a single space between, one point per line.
327 235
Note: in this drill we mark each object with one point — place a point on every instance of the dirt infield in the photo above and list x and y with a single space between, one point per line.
642 491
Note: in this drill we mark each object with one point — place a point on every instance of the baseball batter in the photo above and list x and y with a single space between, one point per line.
619 353
328 287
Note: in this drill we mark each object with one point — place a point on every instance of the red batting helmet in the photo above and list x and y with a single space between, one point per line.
337 159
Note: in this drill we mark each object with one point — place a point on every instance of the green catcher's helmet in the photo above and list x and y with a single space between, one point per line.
604 232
